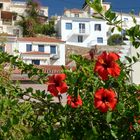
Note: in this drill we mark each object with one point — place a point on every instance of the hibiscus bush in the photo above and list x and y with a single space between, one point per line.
95 99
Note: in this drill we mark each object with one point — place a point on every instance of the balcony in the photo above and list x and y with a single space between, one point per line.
6 22
77 31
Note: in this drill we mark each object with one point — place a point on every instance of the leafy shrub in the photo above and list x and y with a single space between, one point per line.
101 103
115 39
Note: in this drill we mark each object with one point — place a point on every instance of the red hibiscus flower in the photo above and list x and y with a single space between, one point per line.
105 99
74 102
106 65
56 84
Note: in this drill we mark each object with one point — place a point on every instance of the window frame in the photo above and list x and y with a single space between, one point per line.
97 27
53 51
35 62
80 38
28 49
41 48
100 40
82 27
76 15
68 26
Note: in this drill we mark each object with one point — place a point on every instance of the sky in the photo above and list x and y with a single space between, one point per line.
56 7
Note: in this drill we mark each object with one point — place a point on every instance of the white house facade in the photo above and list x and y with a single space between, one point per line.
81 31
9 11
40 50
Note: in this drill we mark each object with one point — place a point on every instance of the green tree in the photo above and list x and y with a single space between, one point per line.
115 39
31 23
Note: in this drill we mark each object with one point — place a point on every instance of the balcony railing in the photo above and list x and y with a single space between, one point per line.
77 31
82 31
5 22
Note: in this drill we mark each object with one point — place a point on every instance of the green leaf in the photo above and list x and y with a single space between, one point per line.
109 117
138 55
96 5
133 17
128 59
134 59
107 13
15 120
120 106
138 104
94 130
113 134
112 30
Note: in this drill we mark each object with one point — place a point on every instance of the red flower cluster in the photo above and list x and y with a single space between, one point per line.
56 84
106 65
74 102
105 99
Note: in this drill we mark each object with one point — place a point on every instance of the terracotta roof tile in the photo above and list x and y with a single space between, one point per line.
6 15
50 69
74 10
41 39
5 0
35 53
7 35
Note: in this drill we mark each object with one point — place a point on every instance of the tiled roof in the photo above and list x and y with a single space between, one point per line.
6 34
5 0
50 69
74 10
6 15
41 39
35 53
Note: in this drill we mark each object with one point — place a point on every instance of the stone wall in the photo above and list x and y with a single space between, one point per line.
70 49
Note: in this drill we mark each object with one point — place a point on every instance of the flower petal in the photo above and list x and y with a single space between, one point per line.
74 102
105 99
60 77
52 89
51 79
103 108
62 88
113 56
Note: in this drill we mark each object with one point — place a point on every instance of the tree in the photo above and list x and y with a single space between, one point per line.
31 23
115 39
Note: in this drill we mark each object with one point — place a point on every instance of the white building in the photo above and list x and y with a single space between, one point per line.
9 11
82 31
40 50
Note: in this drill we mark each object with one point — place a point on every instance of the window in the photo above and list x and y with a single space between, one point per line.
125 22
28 47
125 19
76 15
53 49
41 48
2 48
68 26
1 5
123 32
41 12
81 28
97 27
80 38
36 62
99 40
